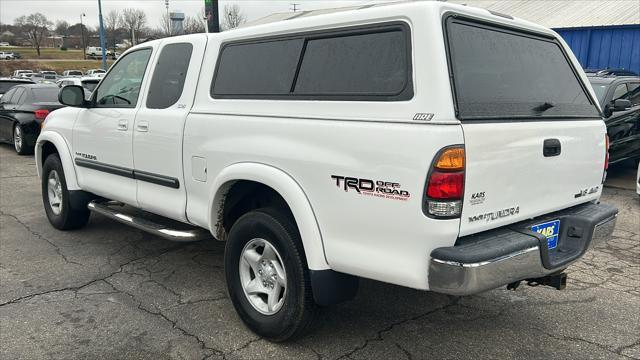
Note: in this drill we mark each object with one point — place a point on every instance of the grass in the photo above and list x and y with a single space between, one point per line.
45 53
8 67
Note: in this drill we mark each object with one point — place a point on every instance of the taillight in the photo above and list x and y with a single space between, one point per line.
41 114
445 185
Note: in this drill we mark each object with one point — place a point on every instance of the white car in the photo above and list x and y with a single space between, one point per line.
87 82
69 73
95 72
395 143
21 73
6 55
4 44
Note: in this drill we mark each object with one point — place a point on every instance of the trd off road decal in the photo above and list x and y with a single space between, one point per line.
367 187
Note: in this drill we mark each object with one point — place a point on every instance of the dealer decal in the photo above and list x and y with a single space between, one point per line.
367 187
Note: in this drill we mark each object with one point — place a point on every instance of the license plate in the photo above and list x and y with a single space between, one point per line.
550 230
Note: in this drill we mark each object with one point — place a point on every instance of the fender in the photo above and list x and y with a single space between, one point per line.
65 156
290 191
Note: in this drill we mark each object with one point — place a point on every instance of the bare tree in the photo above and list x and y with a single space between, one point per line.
134 20
232 17
62 27
35 28
193 25
112 24
165 25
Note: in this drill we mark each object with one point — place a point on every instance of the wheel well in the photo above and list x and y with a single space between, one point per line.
47 149
244 196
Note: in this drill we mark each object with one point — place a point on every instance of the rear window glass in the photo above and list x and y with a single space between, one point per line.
503 74
169 76
46 94
6 85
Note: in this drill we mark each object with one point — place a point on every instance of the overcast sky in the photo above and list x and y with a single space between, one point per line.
70 10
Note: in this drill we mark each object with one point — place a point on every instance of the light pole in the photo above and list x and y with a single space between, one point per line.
166 4
84 48
102 42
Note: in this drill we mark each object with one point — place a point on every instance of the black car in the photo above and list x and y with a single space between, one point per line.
619 97
22 110
8 83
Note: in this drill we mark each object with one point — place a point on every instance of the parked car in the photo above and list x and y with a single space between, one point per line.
115 55
22 110
610 72
6 55
619 98
95 71
4 44
89 83
94 52
376 152
68 73
43 73
6 84
19 73
17 55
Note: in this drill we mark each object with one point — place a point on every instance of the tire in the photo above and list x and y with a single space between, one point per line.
297 309
19 141
63 216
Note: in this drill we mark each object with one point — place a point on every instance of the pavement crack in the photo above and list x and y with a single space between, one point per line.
378 336
41 237
405 351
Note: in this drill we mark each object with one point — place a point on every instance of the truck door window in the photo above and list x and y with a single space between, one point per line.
121 86
619 92
169 75
634 93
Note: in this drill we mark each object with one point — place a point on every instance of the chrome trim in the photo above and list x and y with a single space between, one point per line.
195 234
454 278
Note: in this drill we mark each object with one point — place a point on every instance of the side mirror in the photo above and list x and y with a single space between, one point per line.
621 104
72 95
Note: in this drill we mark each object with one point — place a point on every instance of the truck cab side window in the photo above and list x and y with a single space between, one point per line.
169 76
121 86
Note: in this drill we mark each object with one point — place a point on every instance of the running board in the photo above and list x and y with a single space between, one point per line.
180 233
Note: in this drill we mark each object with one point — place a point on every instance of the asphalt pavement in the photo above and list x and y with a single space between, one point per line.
109 291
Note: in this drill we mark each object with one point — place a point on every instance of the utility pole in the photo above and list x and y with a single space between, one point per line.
213 16
102 42
166 4
84 47
294 7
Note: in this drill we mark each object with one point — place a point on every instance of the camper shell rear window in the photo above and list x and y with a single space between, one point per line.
501 73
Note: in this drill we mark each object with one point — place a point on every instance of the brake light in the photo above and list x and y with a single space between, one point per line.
445 186
41 114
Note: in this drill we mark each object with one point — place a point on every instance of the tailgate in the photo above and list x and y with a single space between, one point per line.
534 136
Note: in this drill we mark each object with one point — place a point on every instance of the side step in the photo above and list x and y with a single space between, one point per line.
165 228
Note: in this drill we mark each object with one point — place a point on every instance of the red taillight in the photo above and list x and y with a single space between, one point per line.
41 114
446 186
606 157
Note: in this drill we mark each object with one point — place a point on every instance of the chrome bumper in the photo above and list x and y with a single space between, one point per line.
466 278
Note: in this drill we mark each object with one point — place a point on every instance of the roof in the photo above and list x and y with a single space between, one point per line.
549 13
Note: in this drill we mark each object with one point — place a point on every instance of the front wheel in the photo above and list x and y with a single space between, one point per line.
267 275
56 197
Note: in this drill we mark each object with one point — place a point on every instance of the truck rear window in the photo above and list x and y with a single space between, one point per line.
502 74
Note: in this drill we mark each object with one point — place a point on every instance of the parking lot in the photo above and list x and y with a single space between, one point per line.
114 292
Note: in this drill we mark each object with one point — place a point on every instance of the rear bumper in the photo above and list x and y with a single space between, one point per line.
498 257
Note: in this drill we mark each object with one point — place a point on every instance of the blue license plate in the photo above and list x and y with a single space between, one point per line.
550 230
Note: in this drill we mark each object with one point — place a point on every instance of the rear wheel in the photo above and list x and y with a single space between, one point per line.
267 275
56 197
19 141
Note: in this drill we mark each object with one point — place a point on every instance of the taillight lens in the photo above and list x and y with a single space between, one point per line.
41 114
445 186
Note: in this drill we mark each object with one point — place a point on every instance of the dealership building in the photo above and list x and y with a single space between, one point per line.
602 34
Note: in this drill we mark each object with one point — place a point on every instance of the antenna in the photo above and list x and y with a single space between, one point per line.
294 7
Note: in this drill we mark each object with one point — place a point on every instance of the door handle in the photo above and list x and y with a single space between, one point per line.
142 126
551 147
123 125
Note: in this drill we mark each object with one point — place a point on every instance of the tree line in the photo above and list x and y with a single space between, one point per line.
130 24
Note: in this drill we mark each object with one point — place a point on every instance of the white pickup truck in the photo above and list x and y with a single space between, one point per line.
424 144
